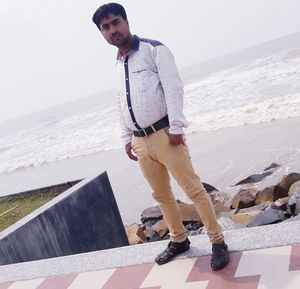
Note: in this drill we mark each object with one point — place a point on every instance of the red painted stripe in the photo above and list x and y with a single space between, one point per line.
295 258
61 282
151 287
128 277
224 278
249 282
202 270
5 285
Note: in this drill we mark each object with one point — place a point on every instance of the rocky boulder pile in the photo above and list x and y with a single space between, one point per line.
250 207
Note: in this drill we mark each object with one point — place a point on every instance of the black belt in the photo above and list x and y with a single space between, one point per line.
162 123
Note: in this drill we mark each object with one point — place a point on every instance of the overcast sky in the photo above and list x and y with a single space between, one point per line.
52 53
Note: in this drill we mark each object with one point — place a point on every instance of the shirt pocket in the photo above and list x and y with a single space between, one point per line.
145 79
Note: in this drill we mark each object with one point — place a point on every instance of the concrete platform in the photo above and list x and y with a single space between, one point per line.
262 257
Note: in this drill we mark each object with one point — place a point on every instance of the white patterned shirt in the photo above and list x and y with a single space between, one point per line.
155 88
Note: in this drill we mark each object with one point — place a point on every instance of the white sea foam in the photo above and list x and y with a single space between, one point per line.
261 90
281 107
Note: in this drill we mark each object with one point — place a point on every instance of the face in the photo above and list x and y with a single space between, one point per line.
115 29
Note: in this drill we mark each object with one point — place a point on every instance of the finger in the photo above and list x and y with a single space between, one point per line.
134 158
131 156
173 143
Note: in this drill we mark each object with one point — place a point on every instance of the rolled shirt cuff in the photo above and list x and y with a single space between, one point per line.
175 130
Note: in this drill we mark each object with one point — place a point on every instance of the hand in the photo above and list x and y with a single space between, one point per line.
128 150
176 139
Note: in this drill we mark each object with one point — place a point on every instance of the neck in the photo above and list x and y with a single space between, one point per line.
126 47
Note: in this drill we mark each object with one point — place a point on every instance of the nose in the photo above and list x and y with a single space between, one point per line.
112 29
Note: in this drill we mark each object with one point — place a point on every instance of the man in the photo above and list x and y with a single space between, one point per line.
150 102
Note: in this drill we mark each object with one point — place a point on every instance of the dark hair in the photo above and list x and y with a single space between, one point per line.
104 10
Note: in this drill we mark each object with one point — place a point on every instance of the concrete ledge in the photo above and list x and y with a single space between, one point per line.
238 240
82 219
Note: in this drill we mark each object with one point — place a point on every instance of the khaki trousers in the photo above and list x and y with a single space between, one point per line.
157 158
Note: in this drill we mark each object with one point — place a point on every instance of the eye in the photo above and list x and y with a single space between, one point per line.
104 27
116 22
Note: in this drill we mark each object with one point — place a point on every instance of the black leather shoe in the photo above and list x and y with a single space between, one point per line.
172 250
220 256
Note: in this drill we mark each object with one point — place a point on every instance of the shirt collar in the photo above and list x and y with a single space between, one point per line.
134 46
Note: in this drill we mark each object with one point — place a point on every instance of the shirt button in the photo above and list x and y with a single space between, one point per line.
126 92
134 123
129 107
126 78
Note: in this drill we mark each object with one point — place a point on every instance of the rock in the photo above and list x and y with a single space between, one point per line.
135 234
228 214
228 224
209 188
292 219
218 197
281 190
149 223
281 204
244 198
220 208
154 237
272 166
221 201
294 203
288 180
194 226
151 213
270 194
268 216
294 187
161 228
188 213
167 237
259 207
194 232
254 178
147 231
245 218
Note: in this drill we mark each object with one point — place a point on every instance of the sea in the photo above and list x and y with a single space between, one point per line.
255 85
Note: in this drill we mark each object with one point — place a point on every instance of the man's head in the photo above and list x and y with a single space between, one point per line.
111 19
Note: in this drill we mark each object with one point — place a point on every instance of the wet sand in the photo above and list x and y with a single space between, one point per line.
222 158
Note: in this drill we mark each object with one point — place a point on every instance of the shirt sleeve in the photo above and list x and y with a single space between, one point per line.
173 88
126 133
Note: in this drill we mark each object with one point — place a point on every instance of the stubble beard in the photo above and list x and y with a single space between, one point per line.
123 42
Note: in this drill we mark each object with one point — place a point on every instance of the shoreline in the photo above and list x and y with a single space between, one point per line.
221 158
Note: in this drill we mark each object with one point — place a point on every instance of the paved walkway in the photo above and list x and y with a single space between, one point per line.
271 268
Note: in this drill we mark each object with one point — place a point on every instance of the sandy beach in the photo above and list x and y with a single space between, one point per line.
222 158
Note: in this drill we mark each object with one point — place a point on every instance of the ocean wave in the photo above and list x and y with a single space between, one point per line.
276 108
262 90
